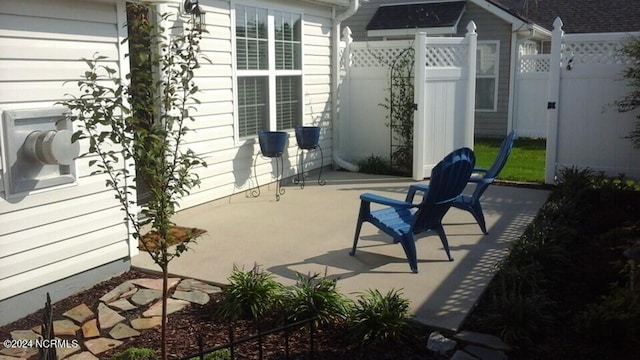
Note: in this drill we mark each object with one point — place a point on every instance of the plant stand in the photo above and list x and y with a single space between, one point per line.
272 144
308 139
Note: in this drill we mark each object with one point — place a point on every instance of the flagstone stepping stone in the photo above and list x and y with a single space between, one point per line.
173 305
196 297
485 340
108 317
85 355
80 313
66 351
65 328
146 296
191 285
117 292
100 345
122 304
90 329
129 293
146 323
122 331
24 335
155 284
24 353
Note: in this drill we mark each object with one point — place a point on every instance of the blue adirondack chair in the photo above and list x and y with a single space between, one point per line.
471 202
403 219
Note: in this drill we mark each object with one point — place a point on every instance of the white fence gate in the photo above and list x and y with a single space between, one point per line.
444 93
584 127
531 90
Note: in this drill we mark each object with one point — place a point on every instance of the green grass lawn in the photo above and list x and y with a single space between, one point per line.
526 162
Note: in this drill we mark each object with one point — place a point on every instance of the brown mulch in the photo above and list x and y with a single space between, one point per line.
197 323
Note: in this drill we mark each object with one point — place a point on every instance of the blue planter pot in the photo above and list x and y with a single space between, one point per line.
272 143
307 137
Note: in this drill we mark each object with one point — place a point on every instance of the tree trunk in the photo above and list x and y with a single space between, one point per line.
163 340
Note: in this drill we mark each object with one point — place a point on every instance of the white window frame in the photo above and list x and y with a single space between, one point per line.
271 73
496 77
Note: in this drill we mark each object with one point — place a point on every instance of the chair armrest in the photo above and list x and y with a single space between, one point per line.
479 180
479 171
368 197
412 191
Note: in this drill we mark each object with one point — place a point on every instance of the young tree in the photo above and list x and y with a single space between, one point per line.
632 100
136 132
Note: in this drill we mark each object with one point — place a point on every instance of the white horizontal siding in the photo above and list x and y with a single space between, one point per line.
58 232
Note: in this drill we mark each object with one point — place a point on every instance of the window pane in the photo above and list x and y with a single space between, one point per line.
487 59
251 38
253 105
287 40
485 93
288 103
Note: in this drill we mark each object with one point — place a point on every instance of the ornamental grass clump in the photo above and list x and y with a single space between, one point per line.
250 295
381 318
316 297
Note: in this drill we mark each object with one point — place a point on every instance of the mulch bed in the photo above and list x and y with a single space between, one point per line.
197 323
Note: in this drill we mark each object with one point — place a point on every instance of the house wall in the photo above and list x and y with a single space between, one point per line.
230 159
490 27
53 234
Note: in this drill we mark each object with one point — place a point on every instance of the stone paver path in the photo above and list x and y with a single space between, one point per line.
105 327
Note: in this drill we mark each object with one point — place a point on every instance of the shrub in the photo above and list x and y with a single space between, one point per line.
222 354
136 354
378 318
376 165
316 297
249 295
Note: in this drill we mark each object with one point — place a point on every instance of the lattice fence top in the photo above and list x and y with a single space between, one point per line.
375 57
534 64
446 55
437 56
598 52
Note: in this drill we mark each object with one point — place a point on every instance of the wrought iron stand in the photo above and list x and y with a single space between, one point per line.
279 172
299 179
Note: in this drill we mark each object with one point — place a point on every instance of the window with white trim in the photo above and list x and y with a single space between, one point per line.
487 65
268 56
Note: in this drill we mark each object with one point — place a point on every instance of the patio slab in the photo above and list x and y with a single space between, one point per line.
311 230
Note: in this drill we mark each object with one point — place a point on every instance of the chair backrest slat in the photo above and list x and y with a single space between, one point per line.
448 179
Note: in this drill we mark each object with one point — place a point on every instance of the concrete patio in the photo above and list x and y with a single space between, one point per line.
311 230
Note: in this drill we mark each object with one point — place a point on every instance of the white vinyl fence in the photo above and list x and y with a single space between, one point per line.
584 127
444 94
531 90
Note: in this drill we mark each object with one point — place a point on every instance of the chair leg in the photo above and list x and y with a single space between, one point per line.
443 239
476 211
356 236
409 246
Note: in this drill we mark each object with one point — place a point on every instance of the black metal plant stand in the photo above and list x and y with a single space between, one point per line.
272 144
308 138
279 169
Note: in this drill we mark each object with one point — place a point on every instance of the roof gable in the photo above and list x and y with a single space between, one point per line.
578 16
417 15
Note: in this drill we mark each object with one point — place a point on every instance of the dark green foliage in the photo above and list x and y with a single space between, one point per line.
632 100
565 281
378 318
222 354
136 354
376 165
250 295
316 297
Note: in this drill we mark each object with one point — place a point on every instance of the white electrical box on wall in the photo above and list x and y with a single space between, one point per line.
37 150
